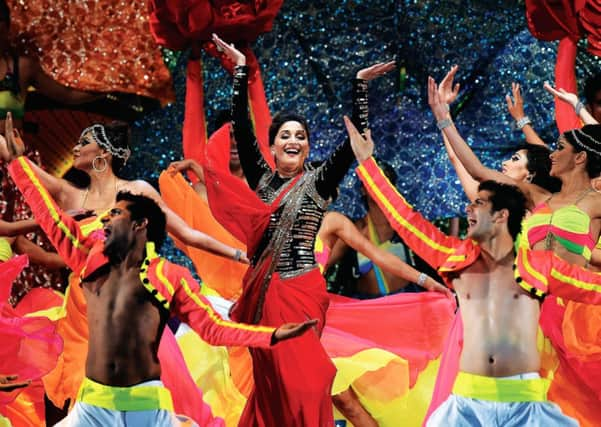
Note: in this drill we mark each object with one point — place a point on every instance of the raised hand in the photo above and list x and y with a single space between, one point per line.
7 383
515 106
291 330
180 166
11 144
437 105
448 93
376 70
230 51
570 98
362 147
4 150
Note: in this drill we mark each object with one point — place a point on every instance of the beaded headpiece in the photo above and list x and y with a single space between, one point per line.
99 135
585 141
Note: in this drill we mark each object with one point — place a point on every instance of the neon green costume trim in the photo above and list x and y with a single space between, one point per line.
137 398
6 251
500 389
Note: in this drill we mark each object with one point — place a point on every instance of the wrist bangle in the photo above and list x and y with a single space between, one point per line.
579 106
421 279
523 122
237 255
444 123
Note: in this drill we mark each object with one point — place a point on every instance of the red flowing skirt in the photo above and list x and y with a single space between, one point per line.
294 378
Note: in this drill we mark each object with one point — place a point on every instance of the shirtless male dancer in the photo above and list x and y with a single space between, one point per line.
130 293
498 382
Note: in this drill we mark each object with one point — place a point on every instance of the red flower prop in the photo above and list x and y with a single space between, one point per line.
94 45
576 19
175 24
568 21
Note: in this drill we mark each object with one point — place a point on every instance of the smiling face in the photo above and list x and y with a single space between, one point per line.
563 158
290 147
516 166
480 218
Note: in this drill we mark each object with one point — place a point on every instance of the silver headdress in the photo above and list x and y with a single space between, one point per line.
586 141
99 135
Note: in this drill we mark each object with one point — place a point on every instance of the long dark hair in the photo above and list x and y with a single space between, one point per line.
119 134
587 139
510 197
539 166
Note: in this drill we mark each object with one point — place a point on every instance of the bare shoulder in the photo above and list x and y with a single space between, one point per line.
535 194
69 196
594 201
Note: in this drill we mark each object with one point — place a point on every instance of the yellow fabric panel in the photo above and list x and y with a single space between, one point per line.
209 367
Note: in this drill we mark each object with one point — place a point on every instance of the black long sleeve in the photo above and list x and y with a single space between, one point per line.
251 158
337 165
360 116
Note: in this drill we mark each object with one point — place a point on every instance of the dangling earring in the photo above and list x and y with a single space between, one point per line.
529 178
104 166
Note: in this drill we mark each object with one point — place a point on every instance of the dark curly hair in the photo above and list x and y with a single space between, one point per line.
510 197
539 166
280 118
141 207
118 134
589 141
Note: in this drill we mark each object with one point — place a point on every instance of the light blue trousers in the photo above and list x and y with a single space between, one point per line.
459 411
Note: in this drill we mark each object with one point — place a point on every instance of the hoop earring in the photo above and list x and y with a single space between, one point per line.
97 169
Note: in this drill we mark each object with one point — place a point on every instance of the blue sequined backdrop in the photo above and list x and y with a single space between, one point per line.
315 49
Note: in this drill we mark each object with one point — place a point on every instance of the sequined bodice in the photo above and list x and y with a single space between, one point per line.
296 256
293 226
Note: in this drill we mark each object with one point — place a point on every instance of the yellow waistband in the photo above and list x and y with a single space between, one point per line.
500 389
133 398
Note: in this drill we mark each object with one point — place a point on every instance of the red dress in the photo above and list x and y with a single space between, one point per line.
293 380
278 224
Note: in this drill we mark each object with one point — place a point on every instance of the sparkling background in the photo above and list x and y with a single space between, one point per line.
315 49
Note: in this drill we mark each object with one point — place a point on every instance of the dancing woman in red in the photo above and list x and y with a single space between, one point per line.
279 223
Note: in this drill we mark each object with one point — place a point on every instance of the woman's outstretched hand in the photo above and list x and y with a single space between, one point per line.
447 91
515 106
229 50
570 98
376 70
437 105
